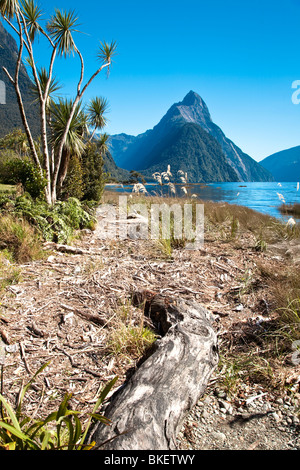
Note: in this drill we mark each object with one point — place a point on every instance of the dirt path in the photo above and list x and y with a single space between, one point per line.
65 306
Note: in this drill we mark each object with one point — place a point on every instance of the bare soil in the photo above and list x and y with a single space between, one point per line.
64 307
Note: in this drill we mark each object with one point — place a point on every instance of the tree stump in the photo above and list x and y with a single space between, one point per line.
147 412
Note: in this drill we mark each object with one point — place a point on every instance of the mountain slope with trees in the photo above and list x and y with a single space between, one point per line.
284 165
138 152
205 163
10 117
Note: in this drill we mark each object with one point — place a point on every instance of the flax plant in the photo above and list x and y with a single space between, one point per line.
19 432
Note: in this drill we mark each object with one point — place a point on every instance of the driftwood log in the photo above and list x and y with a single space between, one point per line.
147 412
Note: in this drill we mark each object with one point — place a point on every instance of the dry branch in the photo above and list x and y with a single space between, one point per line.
92 317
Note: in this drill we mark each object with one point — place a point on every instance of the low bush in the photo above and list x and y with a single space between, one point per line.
55 223
290 209
18 171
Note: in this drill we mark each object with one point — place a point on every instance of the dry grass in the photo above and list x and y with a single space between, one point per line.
223 221
129 338
262 352
7 188
19 238
290 209
9 273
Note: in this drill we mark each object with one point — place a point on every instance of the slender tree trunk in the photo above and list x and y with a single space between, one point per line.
63 169
15 82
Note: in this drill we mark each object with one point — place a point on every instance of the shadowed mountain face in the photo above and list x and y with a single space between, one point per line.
149 150
10 118
284 165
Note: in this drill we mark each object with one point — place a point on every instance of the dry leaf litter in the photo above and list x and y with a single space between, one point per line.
64 307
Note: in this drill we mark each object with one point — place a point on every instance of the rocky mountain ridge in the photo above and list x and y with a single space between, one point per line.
144 150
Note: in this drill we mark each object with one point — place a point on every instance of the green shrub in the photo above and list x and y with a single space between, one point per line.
16 171
56 223
73 185
73 210
94 177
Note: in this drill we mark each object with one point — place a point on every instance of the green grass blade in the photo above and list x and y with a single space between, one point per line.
104 393
11 413
19 434
28 385
100 400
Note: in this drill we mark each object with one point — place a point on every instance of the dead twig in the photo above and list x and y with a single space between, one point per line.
95 318
22 350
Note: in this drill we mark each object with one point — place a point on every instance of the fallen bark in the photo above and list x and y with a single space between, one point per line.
146 413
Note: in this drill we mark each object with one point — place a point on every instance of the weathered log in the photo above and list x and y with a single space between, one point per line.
147 412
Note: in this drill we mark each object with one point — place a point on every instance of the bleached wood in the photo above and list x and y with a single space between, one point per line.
147 412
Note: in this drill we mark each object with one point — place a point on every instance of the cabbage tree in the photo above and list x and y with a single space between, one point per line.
25 19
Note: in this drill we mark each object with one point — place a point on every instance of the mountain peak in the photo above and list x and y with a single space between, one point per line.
191 98
193 109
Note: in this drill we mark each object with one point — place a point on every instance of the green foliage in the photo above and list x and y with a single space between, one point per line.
61 26
94 177
73 185
15 141
18 432
16 171
60 113
74 213
53 223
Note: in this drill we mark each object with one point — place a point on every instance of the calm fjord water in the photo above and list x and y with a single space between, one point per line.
262 197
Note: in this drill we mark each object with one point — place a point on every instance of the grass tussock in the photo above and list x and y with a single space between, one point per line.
10 274
129 338
20 239
290 209
262 352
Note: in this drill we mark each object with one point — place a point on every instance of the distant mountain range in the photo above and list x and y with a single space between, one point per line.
187 139
284 165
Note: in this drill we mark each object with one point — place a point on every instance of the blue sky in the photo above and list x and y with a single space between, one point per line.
241 57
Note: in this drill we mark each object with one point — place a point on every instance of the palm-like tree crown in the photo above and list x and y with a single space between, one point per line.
61 27
32 14
96 113
60 113
9 7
